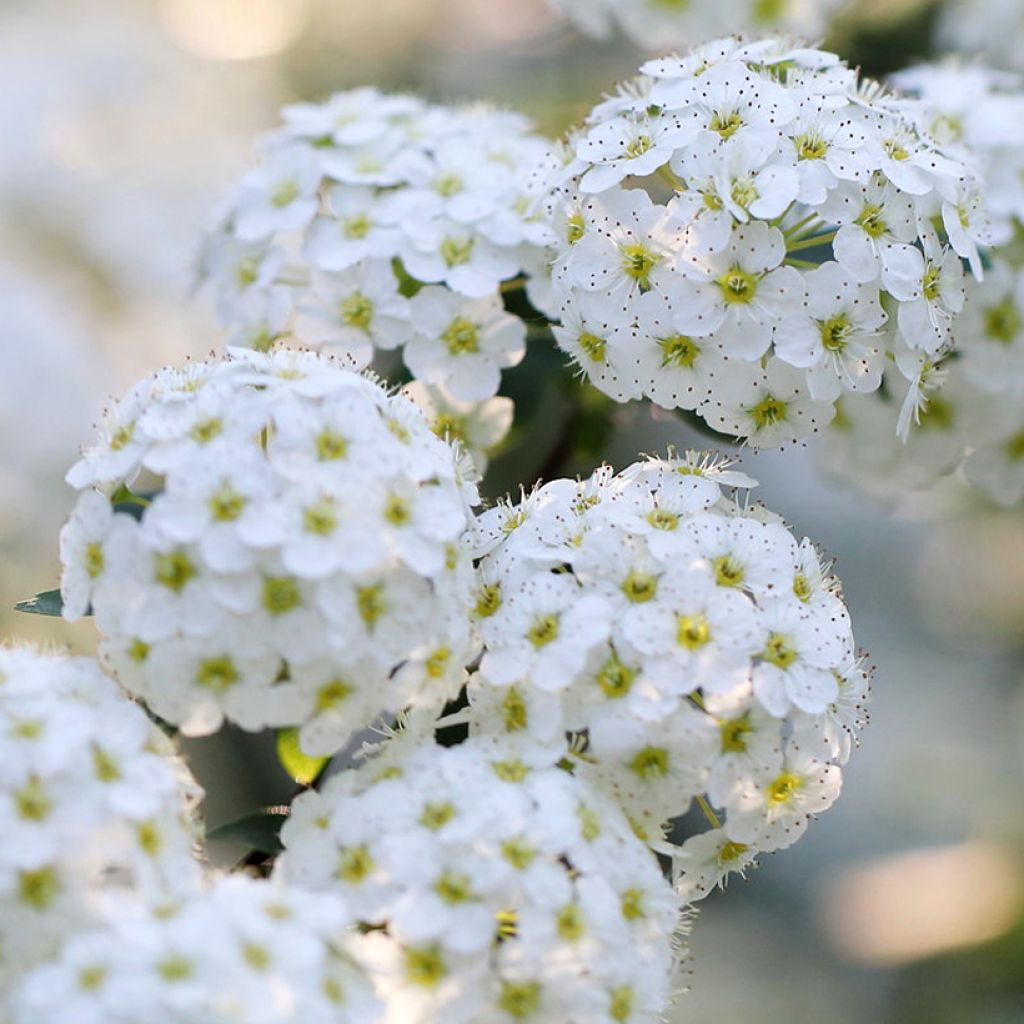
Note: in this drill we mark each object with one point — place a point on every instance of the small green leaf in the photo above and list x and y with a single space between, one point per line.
295 761
46 603
259 830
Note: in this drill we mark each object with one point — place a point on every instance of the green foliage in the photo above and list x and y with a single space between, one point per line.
47 602
259 830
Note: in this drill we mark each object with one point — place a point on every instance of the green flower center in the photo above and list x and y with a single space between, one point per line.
810 146
448 185
355 864
1003 322
692 631
650 763
424 966
173 570
639 587
728 571
872 221
615 678
778 651
737 286
357 311
519 999
281 594
543 631
218 674
783 788
637 262
726 124
769 411
284 194
640 145
835 331
744 192
332 693
330 446
593 346
356 227
226 504
461 336
94 559
456 251
734 733
678 350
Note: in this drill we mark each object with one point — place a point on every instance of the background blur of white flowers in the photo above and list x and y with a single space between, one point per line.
124 122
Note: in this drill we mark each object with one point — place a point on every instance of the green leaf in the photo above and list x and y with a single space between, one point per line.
46 603
295 761
259 830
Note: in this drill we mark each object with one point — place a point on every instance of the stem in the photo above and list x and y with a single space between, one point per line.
796 228
802 264
811 242
668 176
713 819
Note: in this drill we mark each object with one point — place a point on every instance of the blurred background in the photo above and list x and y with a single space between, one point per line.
124 122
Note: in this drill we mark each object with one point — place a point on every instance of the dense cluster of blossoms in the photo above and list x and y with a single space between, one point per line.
662 24
492 890
794 229
275 540
383 222
674 646
246 950
971 402
93 809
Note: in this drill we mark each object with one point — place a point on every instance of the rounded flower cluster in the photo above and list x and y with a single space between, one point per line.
678 648
275 540
746 232
379 222
970 411
662 24
93 808
246 952
492 891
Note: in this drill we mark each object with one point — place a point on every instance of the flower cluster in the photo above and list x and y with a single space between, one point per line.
662 24
689 648
272 539
247 950
793 229
380 222
93 810
492 891
969 402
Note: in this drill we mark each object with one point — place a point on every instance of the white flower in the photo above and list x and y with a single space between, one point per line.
357 310
774 809
836 337
95 810
463 344
477 427
280 196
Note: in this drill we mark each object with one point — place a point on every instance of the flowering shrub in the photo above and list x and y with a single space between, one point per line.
590 705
